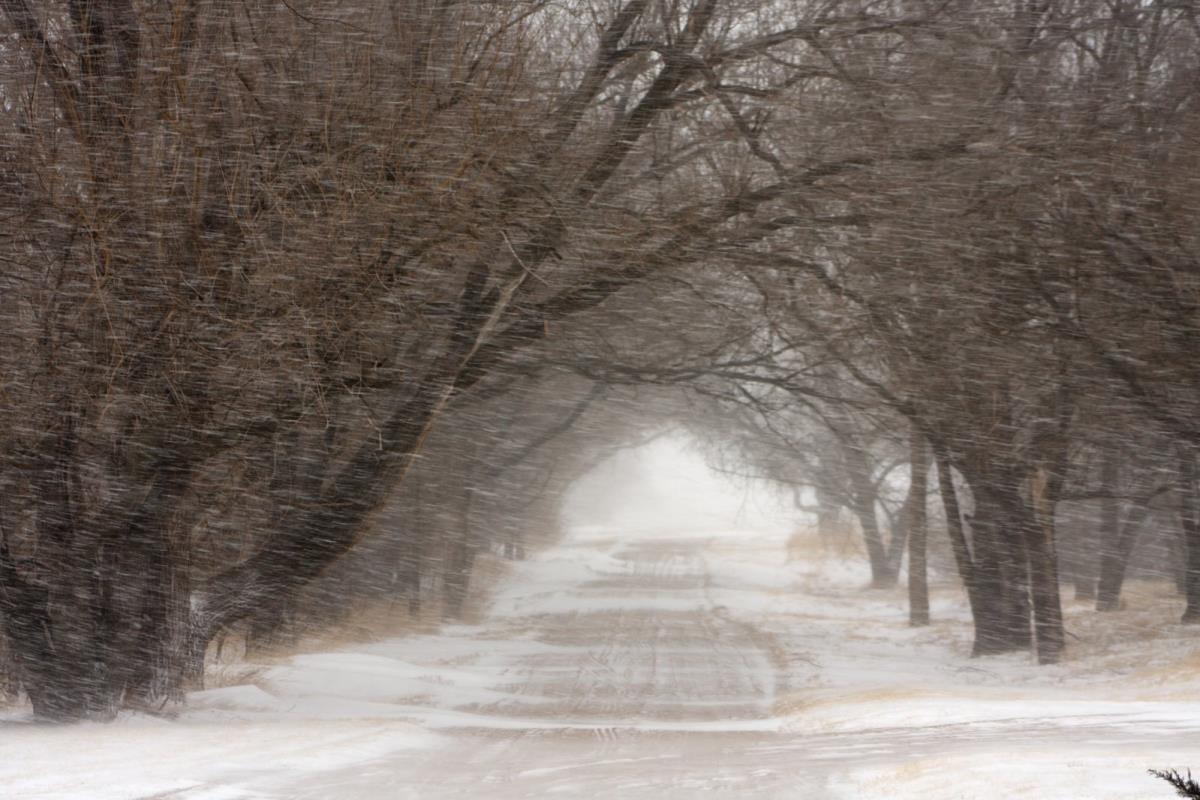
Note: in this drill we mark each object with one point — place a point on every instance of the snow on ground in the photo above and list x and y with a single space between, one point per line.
662 664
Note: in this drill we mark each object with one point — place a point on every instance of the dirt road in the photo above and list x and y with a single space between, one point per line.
649 666
639 684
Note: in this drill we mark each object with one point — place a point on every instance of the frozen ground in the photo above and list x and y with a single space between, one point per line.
666 665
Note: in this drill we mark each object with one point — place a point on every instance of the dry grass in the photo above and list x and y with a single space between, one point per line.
228 663
840 541
797 702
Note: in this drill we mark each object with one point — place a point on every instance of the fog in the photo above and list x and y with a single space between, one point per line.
667 486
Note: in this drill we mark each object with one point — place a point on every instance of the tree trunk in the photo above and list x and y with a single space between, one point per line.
52 606
1003 624
1177 553
462 560
1120 540
323 532
413 558
918 585
1189 515
1086 563
881 578
60 689
1038 531
864 509
458 578
954 529
827 516
1112 557
897 544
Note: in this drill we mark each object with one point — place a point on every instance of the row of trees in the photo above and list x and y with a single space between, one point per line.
243 240
1004 276
269 268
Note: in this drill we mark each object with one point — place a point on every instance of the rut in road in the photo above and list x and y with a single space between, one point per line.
657 661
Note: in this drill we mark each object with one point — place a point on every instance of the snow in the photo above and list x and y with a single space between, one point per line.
735 662
145 757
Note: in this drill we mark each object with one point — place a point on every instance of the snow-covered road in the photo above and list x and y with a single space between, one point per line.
643 643
653 666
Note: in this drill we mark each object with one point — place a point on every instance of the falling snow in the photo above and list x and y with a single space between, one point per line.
633 398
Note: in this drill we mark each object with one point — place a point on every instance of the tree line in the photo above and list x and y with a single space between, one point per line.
275 272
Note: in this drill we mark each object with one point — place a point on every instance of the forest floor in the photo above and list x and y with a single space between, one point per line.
667 665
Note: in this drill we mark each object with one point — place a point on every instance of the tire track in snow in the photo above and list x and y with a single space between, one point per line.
653 662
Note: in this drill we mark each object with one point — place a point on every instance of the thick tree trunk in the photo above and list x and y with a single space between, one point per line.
1038 531
98 620
60 689
1084 532
918 584
52 607
1003 624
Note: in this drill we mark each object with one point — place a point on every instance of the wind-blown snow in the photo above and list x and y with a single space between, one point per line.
721 661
